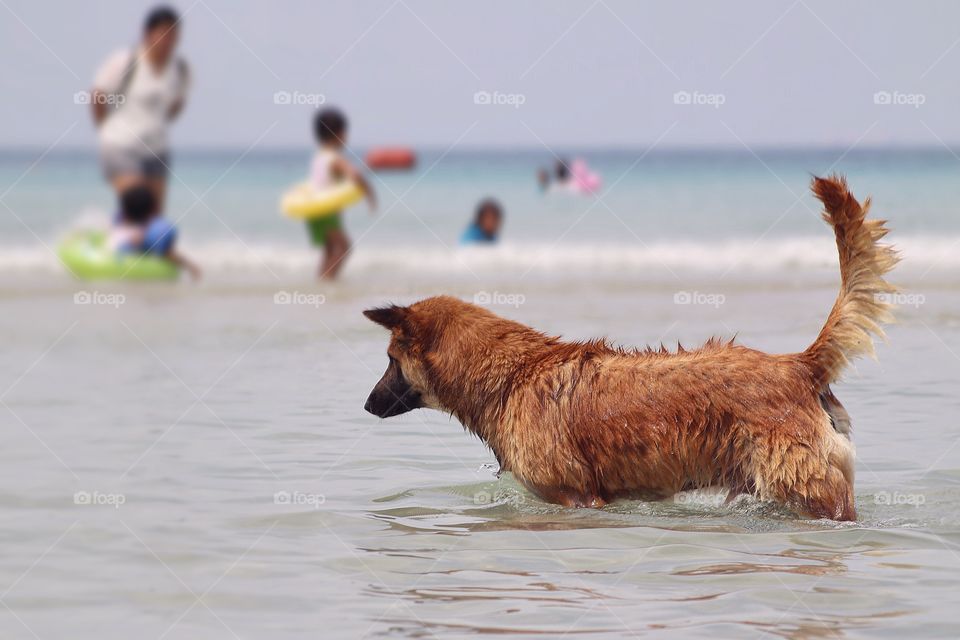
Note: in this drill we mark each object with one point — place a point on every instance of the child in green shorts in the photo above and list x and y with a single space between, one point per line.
330 167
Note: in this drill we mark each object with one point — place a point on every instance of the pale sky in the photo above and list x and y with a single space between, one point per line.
587 74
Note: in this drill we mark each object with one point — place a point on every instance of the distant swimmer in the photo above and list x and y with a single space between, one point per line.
485 228
543 179
575 178
562 171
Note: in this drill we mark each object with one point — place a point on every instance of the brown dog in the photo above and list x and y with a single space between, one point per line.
582 424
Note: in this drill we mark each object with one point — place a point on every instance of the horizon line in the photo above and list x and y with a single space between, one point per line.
532 149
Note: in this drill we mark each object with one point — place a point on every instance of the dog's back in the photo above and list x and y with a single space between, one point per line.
605 424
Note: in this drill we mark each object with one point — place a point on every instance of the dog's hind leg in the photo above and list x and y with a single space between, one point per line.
828 497
817 488
813 476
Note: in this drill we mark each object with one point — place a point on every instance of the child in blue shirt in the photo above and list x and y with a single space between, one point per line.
485 228
140 229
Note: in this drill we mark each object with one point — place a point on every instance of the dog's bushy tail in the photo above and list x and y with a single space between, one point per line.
862 303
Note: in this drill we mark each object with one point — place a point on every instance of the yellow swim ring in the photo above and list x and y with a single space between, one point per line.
305 202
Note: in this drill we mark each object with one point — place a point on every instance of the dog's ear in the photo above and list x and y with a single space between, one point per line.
389 317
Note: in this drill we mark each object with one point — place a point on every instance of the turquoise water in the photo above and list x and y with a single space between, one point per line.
193 460
655 195
658 212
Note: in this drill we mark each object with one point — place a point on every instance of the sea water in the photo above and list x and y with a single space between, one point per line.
193 460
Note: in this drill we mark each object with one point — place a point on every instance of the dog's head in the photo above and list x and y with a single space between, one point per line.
405 385
445 354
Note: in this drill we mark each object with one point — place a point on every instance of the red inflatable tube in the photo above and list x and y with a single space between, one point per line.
391 158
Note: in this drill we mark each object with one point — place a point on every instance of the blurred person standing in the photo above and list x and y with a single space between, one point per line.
136 94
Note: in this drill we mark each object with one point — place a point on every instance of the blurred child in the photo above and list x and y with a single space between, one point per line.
543 179
138 229
487 220
330 167
558 179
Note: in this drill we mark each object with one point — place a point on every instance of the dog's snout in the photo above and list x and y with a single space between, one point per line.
377 404
393 394
374 403
386 401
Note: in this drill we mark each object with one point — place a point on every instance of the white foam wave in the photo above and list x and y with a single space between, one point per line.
919 252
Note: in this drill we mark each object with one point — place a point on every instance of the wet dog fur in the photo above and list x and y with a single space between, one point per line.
585 423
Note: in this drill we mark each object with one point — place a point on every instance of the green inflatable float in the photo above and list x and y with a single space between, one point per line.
88 257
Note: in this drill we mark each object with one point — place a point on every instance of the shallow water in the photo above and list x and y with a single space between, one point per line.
192 462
